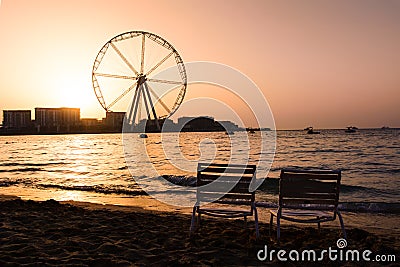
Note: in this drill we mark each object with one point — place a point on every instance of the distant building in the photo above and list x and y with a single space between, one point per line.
182 121
199 124
57 119
17 119
67 120
229 126
114 120
165 125
90 122
168 125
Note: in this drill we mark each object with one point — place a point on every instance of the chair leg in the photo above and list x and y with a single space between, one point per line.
192 223
278 226
342 225
256 223
198 220
271 221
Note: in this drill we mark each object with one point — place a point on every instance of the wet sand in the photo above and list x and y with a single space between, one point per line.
51 233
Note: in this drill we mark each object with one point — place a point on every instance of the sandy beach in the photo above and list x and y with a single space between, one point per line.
50 233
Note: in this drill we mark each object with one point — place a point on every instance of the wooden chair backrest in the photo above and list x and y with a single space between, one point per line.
319 188
236 178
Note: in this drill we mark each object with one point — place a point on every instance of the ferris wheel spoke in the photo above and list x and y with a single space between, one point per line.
165 81
142 59
159 63
122 95
158 98
115 76
124 58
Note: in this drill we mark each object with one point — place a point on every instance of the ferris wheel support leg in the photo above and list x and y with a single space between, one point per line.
145 102
151 104
136 105
129 117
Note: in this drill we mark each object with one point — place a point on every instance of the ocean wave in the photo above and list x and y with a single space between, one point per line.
26 164
96 189
376 207
181 180
269 186
28 169
8 183
122 168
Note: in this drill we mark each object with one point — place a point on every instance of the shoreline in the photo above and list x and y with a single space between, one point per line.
80 233
380 223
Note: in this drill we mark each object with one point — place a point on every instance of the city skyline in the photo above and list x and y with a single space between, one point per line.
66 120
33 118
174 119
326 64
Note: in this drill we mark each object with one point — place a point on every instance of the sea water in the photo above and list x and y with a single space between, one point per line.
67 167
369 160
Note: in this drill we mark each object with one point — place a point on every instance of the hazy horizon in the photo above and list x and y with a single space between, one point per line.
322 64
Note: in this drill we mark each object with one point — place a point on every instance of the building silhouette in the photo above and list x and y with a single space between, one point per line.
66 120
199 124
114 120
229 126
17 119
57 119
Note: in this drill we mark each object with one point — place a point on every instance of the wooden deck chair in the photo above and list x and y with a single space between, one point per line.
230 184
308 196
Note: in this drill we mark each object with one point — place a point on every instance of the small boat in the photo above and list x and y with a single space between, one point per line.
250 130
310 130
351 129
385 127
143 135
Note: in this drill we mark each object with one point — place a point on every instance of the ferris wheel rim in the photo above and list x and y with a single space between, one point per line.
157 39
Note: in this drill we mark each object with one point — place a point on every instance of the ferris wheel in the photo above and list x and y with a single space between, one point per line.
124 77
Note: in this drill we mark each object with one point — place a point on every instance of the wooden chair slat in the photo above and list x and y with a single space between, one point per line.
242 178
308 176
313 201
226 187
202 165
212 169
204 196
240 183
311 195
309 186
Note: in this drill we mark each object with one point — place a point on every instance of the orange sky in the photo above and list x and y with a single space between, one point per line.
329 64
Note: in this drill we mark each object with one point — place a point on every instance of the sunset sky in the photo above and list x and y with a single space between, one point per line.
329 64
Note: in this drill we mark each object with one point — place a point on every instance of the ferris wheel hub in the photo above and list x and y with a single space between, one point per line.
141 79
